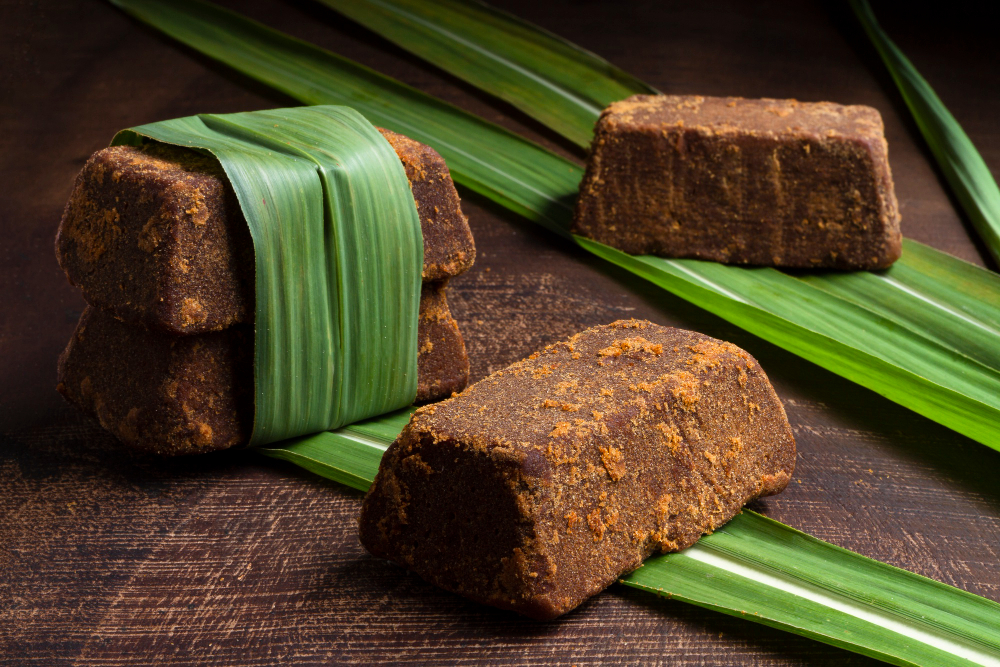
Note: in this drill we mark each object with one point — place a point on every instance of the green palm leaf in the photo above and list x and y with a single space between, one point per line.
902 334
349 455
757 569
553 80
962 165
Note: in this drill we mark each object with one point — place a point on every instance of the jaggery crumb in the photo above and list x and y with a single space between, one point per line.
627 345
614 462
596 525
561 429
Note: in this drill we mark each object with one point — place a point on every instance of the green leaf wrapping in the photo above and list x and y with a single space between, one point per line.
757 569
338 257
962 165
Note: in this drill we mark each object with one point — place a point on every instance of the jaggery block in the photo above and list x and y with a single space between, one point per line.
190 394
545 482
449 249
158 392
157 237
442 363
766 182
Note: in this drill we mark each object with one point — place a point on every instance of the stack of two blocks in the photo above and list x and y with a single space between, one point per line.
163 354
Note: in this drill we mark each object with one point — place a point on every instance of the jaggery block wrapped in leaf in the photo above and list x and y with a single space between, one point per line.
542 484
767 182
269 291
190 394
156 236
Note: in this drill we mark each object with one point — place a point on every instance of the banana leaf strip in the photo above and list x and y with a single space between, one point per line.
338 258
904 333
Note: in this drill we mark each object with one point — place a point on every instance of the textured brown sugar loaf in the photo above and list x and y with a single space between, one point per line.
190 394
539 486
742 181
157 237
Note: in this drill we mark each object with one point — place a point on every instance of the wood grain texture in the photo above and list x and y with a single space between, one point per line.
108 557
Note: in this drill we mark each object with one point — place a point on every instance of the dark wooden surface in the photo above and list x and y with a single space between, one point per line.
109 557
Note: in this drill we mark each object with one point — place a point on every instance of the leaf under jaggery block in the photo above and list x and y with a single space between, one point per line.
754 568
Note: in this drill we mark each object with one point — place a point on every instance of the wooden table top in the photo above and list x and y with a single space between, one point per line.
108 556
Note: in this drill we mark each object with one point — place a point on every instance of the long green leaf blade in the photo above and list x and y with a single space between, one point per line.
542 186
336 455
758 569
942 305
553 80
962 165
482 156
349 455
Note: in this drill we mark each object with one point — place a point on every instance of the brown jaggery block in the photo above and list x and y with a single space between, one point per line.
449 249
766 182
442 363
539 486
159 392
157 236
190 394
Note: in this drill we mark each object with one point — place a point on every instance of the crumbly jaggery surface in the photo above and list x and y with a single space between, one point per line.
157 236
442 363
762 181
190 394
449 249
542 484
161 393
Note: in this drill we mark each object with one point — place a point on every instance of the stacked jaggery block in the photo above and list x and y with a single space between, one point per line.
542 484
163 355
764 182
